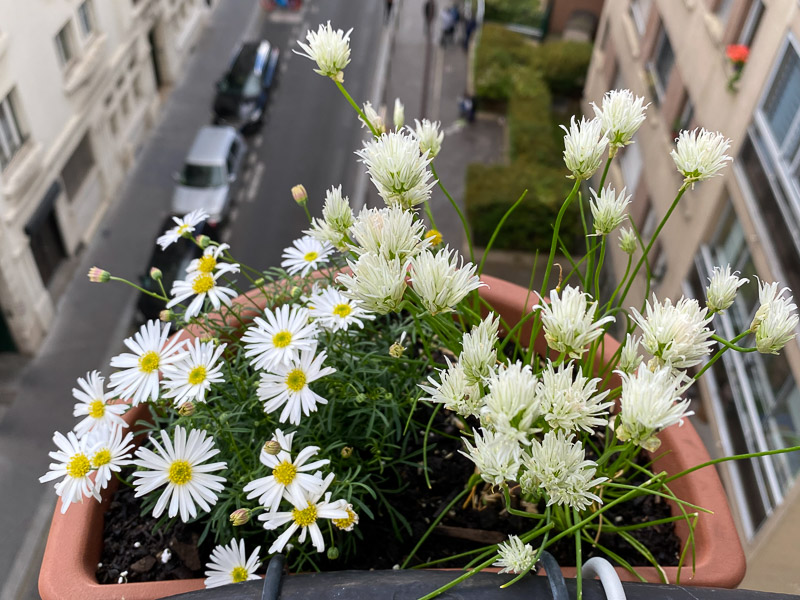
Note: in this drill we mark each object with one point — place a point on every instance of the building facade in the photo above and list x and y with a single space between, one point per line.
81 83
673 52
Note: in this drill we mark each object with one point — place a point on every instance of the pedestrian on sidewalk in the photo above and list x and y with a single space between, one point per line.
469 28
448 26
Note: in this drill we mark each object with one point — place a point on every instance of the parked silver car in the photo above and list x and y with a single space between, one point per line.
208 172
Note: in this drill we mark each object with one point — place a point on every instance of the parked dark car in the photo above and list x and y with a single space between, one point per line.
243 91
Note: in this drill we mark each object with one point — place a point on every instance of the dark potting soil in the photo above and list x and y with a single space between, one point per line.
131 545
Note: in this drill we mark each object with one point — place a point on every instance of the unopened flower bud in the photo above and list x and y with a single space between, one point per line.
259 282
399 114
396 350
98 275
155 274
300 195
272 447
627 241
186 409
435 236
203 241
296 292
240 516
347 452
166 316
333 553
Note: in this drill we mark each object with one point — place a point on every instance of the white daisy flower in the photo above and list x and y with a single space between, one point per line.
181 468
152 351
329 49
621 116
569 321
608 209
584 146
478 352
399 114
629 357
279 339
558 467
74 465
289 479
775 320
454 390
348 523
190 379
428 136
496 456
334 312
675 335
376 282
570 401
288 384
700 154
511 408
337 217
93 405
391 232
305 255
200 285
650 401
440 282
210 261
230 564
397 169
110 452
515 557
722 288
304 516
183 226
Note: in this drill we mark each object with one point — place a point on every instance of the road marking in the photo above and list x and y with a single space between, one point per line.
253 188
286 17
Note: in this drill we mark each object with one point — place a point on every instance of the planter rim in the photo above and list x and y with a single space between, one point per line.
75 539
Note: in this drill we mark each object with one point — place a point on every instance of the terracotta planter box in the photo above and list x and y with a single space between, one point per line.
75 540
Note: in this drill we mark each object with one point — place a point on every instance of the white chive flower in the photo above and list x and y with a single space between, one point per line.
676 335
376 282
212 262
74 465
584 146
202 286
454 391
570 401
334 312
110 452
398 170
391 232
279 339
628 241
329 49
511 408
569 321
429 137
93 405
304 516
496 456
608 209
621 115
337 217
440 282
306 254
478 350
399 114
775 321
230 564
181 467
183 227
289 478
629 357
700 154
190 379
287 386
722 288
650 401
152 351
372 118
514 556
558 467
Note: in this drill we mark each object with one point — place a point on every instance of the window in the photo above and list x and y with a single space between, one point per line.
780 107
64 45
723 10
662 63
751 23
684 118
78 167
86 18
640 11
11 136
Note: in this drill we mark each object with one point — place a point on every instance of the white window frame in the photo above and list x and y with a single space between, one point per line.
65 46
86 21
11 135
640 11
751 21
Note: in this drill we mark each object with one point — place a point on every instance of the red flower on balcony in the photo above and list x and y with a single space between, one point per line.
737 54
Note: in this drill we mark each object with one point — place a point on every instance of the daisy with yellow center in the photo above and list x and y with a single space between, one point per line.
230 564
212 261
278 338
290 479
93 405
190 379
305 255
287 386
180 467
111 451
152 351
348 523
334 312
73 466
183 226
201 285
304 516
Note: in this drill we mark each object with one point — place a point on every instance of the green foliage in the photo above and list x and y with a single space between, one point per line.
521 12
498 57
563 64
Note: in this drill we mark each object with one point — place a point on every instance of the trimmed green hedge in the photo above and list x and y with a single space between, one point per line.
564 65
532 137
522 12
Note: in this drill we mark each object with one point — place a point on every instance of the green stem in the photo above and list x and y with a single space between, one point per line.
716 461
458 210
497 231
731 345
599 268
605 170
356 107
429 212
141 289
578 557
719 354
556 228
